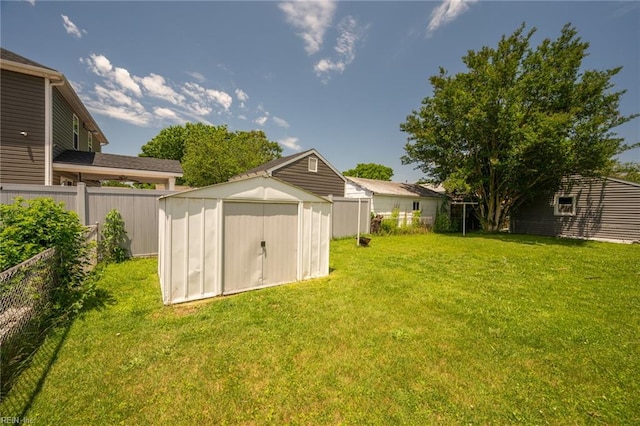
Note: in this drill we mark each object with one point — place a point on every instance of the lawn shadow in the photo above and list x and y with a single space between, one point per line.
39 347
534 240
26 381
98 301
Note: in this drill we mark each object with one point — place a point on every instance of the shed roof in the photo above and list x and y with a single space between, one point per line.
253 188
382 187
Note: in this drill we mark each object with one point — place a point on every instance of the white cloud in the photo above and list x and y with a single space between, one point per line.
221 98
242 117
165 113
261 120
351 32
280 122
241 95
31 2
100 65
116 104
124 96
156 86
70 27
447 12
312 18
204 97
291 143
197 76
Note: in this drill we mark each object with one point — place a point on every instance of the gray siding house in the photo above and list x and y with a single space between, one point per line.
308 170
592 208
42 120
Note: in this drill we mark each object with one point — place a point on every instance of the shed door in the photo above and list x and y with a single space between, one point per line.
260 245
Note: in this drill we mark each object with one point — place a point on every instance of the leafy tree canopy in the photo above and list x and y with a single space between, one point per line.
370 171
626 171
212 154
517 122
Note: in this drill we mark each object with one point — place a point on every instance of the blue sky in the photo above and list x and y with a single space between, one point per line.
338 76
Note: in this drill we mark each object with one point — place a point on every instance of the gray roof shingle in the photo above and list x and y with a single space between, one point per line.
8 55
100 159
382 187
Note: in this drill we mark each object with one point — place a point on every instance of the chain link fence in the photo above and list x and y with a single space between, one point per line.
25 304
26 307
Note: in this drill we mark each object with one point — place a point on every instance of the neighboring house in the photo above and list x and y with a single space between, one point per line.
48 137
308 170
593 208
389 196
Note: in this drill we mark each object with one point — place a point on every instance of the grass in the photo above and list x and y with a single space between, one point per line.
416 329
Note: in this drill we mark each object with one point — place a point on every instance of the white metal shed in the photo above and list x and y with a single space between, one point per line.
238 236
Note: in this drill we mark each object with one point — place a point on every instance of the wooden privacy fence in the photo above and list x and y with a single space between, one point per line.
139 209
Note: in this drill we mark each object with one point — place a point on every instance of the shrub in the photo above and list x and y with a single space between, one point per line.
28 228
442 222
113 239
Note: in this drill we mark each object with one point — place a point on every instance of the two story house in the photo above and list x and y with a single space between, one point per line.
47 136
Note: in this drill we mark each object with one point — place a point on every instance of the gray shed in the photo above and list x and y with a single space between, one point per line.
238 236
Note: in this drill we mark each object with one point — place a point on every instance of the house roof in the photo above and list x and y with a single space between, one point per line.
11 61
14 57
382 187
100 166
271 166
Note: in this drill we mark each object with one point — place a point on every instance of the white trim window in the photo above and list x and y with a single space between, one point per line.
76 132
89 141
416 206
564 205
313 164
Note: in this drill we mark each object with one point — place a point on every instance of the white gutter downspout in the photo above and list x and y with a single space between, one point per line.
48 129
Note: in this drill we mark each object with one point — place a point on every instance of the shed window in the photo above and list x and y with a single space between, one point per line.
89 141
76 132
313 164
565 206
416 206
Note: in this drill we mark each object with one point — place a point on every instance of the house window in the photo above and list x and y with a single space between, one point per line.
565 206
416 206
76 132
89 141
313 164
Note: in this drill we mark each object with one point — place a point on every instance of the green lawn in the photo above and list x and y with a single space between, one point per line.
418 329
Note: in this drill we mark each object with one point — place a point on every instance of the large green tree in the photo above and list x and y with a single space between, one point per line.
516 122
212 154
370 171
168 144
626 171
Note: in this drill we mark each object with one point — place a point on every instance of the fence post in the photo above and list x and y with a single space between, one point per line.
81 202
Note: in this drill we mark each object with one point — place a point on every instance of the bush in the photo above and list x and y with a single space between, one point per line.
442 222
113 239
28 228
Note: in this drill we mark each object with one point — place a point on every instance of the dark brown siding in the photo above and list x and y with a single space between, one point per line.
21 110
605 209
323 182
